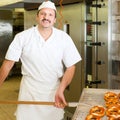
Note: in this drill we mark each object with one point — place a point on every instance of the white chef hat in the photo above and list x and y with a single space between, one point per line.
47 4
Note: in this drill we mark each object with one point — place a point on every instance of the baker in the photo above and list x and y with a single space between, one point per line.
43 51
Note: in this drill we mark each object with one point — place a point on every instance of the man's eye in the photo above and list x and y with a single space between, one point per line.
50 15
42 13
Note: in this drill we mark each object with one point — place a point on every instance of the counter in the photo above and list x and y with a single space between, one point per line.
89 98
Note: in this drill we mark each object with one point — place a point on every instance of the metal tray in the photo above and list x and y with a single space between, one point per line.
89 98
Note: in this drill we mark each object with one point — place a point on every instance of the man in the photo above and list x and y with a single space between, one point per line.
43 51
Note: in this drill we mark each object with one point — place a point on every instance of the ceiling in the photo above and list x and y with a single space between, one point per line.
31 4
6 2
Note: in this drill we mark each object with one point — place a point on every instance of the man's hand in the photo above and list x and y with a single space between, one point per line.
60 101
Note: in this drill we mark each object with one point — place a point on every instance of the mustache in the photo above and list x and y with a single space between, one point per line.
46 20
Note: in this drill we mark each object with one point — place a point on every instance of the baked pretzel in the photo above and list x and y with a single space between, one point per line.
112 103
112 118
113 112
110 96
98 111
92 117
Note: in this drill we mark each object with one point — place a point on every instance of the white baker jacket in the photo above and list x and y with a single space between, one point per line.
42 68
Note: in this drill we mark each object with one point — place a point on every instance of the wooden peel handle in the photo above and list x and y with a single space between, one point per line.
27 102
70 104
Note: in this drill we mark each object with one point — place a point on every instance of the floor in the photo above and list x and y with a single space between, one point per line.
9 91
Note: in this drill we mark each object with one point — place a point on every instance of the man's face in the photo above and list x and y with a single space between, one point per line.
46 17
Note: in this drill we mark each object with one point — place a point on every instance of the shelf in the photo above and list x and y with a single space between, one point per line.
115 36
116 77
116 17
116 57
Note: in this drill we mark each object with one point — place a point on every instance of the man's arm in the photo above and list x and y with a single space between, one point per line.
5 69
66 80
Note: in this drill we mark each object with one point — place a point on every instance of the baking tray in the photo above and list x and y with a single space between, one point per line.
89 98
